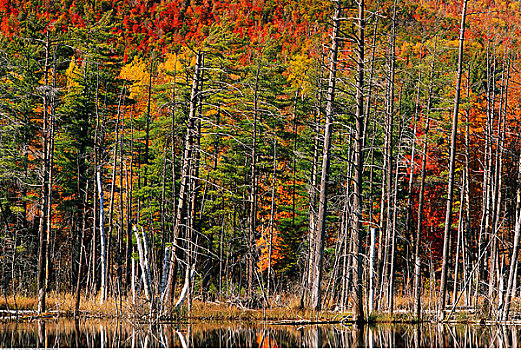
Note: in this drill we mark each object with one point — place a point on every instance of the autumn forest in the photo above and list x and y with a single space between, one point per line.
357 156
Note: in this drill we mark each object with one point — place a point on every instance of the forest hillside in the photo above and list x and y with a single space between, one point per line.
356 156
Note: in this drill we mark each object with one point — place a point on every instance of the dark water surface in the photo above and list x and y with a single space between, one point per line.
123 334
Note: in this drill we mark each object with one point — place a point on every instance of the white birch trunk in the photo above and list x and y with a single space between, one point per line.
188 278
182 339
143 262
103 292
133 281
166 276
371 270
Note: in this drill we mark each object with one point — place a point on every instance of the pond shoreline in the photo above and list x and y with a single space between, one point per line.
62 306
274 316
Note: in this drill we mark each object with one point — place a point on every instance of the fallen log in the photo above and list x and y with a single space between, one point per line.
305 322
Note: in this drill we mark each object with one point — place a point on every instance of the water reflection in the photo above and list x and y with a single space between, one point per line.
123 334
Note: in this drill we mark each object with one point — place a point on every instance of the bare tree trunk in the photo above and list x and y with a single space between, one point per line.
130 261
371 270
408 222
312 229
386 197
358 310
371 148
392 267
193 224
45 189
94 259
272 214
253 178
492 171
345 229
182 206
500 146
468 229
133 281
485 234
167 261
512 276
124 244
142 246
82 251
316 302
452 163
113 185
421 199
103 291
186 287
459 241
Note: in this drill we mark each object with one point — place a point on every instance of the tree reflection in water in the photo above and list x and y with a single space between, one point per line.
122 334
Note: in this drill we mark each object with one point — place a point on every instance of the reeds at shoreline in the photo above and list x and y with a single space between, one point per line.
284 309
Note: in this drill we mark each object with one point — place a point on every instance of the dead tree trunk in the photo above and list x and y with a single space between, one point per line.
272 215
391 227
421 199
308 278
386 232
356 210
512 276
83 219
414 140
452 163
372 245
253 178
182 207
142 246
316 302
45 189
103 291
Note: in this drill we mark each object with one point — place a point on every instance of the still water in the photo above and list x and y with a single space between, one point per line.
122 334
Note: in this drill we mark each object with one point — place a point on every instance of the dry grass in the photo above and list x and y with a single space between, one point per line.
226 311
19 302
284 307
63 304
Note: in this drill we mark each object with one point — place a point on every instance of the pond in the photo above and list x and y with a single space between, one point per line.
123 334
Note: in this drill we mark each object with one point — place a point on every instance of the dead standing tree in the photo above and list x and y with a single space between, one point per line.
187 163
358 310
47 174
318 251
452 163
359 41
421 196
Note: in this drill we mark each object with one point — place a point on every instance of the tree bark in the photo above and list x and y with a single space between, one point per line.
45 197
371 270
316 302
272 215
512 276
452 164
253 178
182 206
103 290
358 310
142 246
421 199
312 229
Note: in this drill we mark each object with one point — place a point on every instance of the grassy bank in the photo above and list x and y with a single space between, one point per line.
287 308
63 304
